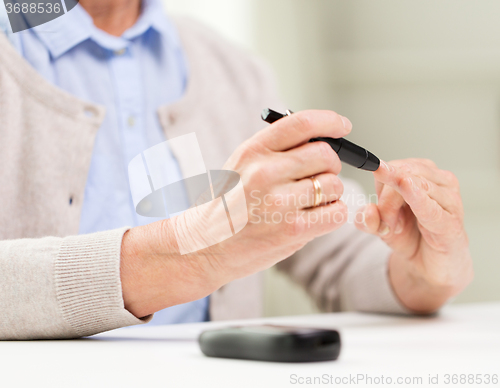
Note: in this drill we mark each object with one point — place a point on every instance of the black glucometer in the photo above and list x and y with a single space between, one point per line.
271 343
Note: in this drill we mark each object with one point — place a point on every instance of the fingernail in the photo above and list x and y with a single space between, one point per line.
399 226
347 123
384 229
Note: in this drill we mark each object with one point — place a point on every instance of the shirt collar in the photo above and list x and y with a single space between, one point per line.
76 26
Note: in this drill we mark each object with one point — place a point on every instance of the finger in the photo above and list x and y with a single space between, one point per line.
427 162
309 159
320 220
390 203
303 191
368 219
446 197
387 174
395 176
378 187
429 213
299 128
433 174
421 167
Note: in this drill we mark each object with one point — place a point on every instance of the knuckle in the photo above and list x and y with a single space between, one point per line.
451 178
407 168
325 152
336 183
336 118
434 214
400 177
426 185
246 152
303 121
328 157
257 176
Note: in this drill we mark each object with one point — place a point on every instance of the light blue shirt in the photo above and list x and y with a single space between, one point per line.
131 76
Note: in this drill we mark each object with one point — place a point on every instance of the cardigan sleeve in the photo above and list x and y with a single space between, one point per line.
62 287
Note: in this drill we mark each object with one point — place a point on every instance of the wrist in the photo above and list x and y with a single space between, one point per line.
414 290
155 275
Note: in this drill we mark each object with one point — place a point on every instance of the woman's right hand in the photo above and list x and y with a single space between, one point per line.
275 166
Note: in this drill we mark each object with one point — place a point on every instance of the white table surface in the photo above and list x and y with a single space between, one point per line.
463 339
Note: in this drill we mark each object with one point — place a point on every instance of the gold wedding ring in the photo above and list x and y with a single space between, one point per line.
318 192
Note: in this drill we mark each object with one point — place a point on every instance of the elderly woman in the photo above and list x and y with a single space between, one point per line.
82 95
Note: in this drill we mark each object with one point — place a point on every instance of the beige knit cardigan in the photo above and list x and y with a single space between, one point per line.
57 284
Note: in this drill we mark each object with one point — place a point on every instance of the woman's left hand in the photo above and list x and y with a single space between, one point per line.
420 216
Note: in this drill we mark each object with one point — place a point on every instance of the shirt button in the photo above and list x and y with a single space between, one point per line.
131 121
119 52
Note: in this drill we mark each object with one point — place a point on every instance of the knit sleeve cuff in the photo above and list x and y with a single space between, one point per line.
88 285
366 286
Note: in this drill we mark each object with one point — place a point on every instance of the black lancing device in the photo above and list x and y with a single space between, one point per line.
347 151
